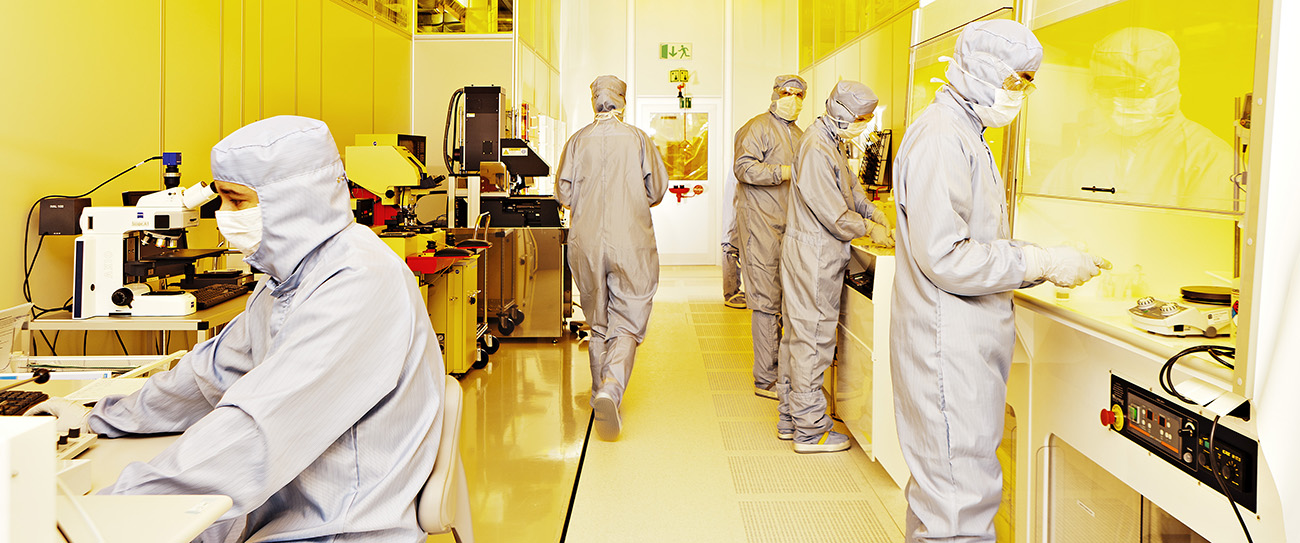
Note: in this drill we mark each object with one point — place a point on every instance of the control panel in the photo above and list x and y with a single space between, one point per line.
1182 438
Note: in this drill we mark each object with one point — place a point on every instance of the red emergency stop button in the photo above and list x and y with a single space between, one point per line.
1113 417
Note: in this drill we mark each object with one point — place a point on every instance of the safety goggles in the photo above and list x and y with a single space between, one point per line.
1119 86
1011 80
1019 82
792 91
860 119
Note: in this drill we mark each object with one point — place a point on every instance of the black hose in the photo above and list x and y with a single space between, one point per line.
446 127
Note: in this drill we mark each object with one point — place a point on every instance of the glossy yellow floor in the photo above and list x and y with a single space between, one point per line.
698 459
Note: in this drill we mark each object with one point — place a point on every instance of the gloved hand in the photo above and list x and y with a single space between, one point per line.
787 173
880 234
1063 266
70 414
879 218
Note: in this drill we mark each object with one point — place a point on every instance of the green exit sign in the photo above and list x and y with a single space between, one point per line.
675 51
679 76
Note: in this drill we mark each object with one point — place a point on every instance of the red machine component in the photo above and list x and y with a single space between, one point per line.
379 212
1107 417
427 262
680 191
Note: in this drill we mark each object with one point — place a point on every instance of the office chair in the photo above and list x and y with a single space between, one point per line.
443 503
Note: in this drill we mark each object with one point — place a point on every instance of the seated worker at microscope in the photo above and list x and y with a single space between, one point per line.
314 409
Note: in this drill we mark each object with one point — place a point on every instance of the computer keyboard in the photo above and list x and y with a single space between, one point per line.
17 402
214 294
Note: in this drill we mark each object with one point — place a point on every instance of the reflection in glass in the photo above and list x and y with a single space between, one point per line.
1137 145
1137 97
683 140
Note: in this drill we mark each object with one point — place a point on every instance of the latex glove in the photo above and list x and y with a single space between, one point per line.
1064 266
70 414
880 234
879 218
787 173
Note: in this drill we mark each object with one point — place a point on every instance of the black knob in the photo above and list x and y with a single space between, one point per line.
122 296
63 440
74 433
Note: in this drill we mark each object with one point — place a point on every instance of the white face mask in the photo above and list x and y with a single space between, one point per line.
788 107
854 130
1006 105
1134 116
243 229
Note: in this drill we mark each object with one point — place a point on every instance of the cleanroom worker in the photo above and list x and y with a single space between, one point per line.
1141 143
764 165
951 329
827 210
314 409
610 175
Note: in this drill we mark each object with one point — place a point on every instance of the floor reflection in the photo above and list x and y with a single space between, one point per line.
525 419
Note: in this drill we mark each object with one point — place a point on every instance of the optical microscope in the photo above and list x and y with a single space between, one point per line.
113 244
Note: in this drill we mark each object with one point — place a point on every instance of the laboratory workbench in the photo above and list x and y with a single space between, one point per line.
202 322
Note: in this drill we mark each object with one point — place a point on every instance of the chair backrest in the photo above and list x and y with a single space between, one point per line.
435 508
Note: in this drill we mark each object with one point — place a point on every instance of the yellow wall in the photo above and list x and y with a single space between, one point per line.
445 63
593 42
88 96
764 38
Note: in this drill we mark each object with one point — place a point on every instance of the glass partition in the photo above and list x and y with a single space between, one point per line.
464 16
1128 143
826 25
683 140
928 74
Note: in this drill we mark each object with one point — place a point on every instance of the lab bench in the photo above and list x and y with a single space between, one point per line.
864 397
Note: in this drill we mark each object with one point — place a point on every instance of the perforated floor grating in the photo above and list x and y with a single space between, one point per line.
816 474
711 307
726 344
729 361
830 521
743 406
735 317
741 436
729 329
731 381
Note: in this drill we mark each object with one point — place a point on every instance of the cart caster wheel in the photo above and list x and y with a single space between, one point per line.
489 343
516 315
506 326
481 360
